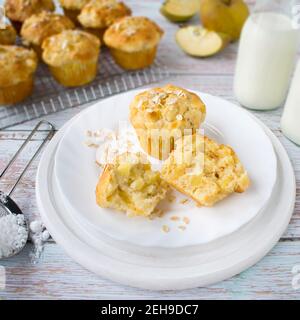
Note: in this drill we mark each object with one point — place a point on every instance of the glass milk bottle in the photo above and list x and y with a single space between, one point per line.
267 53
290 121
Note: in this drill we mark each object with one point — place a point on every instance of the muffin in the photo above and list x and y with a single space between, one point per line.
133 42
129 185
162 115
42 25
7 34
17 67
72 8
98 15
19 10
204 170
72 57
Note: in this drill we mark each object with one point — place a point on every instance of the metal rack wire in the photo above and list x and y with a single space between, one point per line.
50 97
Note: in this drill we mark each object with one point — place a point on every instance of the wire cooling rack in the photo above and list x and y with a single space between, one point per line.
50 97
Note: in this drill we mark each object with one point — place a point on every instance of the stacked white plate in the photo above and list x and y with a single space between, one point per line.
218 243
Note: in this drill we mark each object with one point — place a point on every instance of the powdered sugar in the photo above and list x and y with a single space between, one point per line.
130 32
171 100
38 235
13 234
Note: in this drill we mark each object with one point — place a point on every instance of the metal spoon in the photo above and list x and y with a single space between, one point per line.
7 204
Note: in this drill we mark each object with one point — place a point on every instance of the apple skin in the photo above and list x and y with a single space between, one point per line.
225 16
175 18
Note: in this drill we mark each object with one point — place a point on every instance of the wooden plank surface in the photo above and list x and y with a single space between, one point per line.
57 276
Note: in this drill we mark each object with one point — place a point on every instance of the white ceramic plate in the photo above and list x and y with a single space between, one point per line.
77 176
166 269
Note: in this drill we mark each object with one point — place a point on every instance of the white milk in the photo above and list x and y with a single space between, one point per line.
290 122
266 58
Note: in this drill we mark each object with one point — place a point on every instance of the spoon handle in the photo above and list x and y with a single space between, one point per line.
51 132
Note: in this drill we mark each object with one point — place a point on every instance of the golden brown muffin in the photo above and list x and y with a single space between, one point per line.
42 25
17 67
129 185
72 8
98 15
204 170
161 115
72 57
19 10
133 42
7 34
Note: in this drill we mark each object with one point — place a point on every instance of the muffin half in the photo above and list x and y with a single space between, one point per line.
42 25
19 10
162 115
129 185
7 35
133 42
72 57
17 67
204 170
97 15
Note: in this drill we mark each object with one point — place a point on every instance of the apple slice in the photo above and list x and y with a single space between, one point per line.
180 10
200 42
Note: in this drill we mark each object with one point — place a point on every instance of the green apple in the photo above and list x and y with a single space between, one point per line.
226 16
179 10
200 42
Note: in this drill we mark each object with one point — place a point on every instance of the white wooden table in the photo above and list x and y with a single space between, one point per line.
57 276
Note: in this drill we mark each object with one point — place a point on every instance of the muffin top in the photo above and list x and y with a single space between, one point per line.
16 64
169 107
102 13
42 25
19 10
73 4
7 34
70 45
132 34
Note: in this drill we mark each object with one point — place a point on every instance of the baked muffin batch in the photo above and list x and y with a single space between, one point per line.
19 10
166 121
133 42
96 16
21 63
72 57
72 54
42 25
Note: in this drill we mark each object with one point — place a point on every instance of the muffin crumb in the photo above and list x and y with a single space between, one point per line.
158 213
179 117
165 228
171 198
91 144
186 220
184 201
